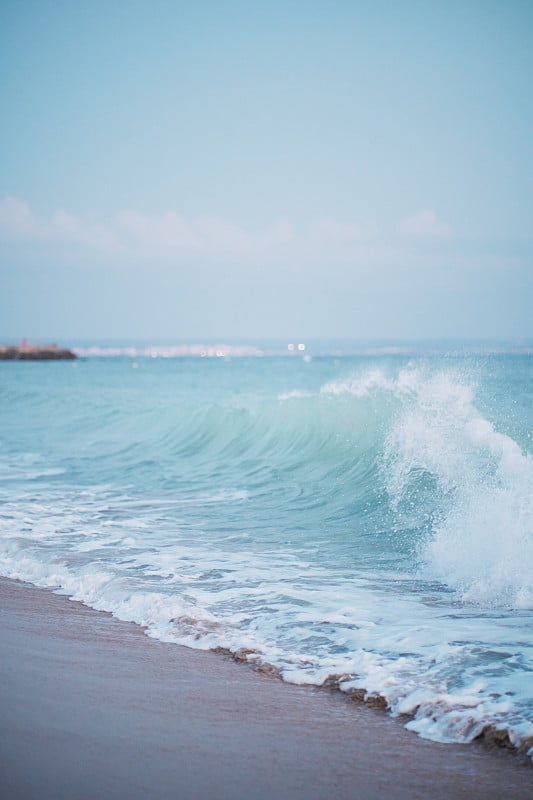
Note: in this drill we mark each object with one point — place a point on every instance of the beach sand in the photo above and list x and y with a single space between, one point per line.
93 708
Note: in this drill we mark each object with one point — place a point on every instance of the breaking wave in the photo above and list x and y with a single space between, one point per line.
374 525
445 462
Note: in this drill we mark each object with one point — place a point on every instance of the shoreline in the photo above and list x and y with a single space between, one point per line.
91 706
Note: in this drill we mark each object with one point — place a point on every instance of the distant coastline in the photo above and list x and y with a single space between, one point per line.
258 349
309 348
35 352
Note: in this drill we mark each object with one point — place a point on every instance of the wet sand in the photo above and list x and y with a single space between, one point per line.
90 707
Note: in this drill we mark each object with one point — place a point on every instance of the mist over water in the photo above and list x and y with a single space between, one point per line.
369 516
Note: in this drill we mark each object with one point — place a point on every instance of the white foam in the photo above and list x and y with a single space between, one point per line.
294 394
147 558
482 539
359 386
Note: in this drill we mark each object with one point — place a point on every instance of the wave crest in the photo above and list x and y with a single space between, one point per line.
481 543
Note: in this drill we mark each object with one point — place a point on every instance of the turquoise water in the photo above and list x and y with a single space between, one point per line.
369 516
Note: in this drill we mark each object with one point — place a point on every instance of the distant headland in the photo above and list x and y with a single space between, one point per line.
35 352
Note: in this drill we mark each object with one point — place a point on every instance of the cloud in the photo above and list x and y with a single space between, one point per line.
333 230
169 230
424 224
18 221
172 232
171 236
133 231
68 227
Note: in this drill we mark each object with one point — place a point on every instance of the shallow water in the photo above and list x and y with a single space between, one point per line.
368 516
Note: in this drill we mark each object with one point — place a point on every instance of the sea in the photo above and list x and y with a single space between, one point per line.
356 517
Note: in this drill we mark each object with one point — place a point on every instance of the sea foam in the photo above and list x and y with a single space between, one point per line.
481 540
369 520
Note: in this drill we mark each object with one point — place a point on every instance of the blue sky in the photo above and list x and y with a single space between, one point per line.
260 169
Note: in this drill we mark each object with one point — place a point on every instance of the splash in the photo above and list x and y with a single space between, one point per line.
377 528
481 500
444 462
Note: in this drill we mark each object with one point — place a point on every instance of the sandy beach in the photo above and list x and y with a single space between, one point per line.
92 707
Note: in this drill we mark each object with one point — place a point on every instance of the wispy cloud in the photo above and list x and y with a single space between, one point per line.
170 234
338 232
18 220
131 230
169 230
424 224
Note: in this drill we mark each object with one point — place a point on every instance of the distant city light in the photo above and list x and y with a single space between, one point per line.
290 347
301 346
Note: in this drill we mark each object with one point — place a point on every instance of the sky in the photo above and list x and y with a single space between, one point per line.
244 170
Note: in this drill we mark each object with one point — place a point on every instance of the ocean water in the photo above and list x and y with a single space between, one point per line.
368 517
